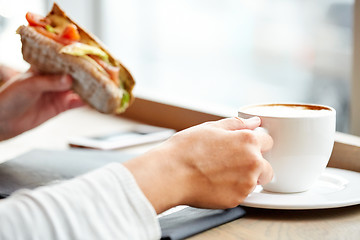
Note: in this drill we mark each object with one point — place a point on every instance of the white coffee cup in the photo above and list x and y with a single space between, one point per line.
303 137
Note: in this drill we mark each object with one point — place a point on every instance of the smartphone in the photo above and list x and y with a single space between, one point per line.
138 135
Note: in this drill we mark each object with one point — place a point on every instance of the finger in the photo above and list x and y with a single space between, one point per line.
264 139
237 123
74 101
266 174
58 102
66 100
50 83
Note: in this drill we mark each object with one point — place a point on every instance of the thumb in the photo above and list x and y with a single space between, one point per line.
50 83
237 123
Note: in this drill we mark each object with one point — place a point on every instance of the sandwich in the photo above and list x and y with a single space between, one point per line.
57 45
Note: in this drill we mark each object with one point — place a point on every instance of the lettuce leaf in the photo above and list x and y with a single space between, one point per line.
81 49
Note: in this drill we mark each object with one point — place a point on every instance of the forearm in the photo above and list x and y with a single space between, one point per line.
161 177
104 204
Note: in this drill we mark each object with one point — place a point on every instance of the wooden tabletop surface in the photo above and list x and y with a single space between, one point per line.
329 224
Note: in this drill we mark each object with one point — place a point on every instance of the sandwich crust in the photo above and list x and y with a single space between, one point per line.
91 83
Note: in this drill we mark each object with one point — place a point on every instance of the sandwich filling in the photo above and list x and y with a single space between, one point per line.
77 43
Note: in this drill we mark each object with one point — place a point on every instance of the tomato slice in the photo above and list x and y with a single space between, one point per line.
36 20
45 32
53 36
111 70
71 33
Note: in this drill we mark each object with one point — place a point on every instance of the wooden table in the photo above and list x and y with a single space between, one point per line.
339 223
329 224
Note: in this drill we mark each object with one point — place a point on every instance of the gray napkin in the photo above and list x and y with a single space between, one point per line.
190 221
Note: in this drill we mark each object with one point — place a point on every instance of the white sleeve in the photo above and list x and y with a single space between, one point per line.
104 204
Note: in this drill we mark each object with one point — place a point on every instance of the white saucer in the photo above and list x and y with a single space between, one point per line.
335 188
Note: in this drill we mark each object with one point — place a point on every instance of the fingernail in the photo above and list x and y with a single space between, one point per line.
75 102
256 120
65 79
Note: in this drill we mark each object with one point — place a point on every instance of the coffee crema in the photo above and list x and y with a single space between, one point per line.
287 110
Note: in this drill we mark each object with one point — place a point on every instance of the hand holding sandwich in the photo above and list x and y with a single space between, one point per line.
66 59
29 99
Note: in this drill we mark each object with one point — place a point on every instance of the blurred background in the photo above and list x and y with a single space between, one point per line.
216 55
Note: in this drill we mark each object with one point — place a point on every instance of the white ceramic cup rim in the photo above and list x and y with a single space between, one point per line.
330 110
